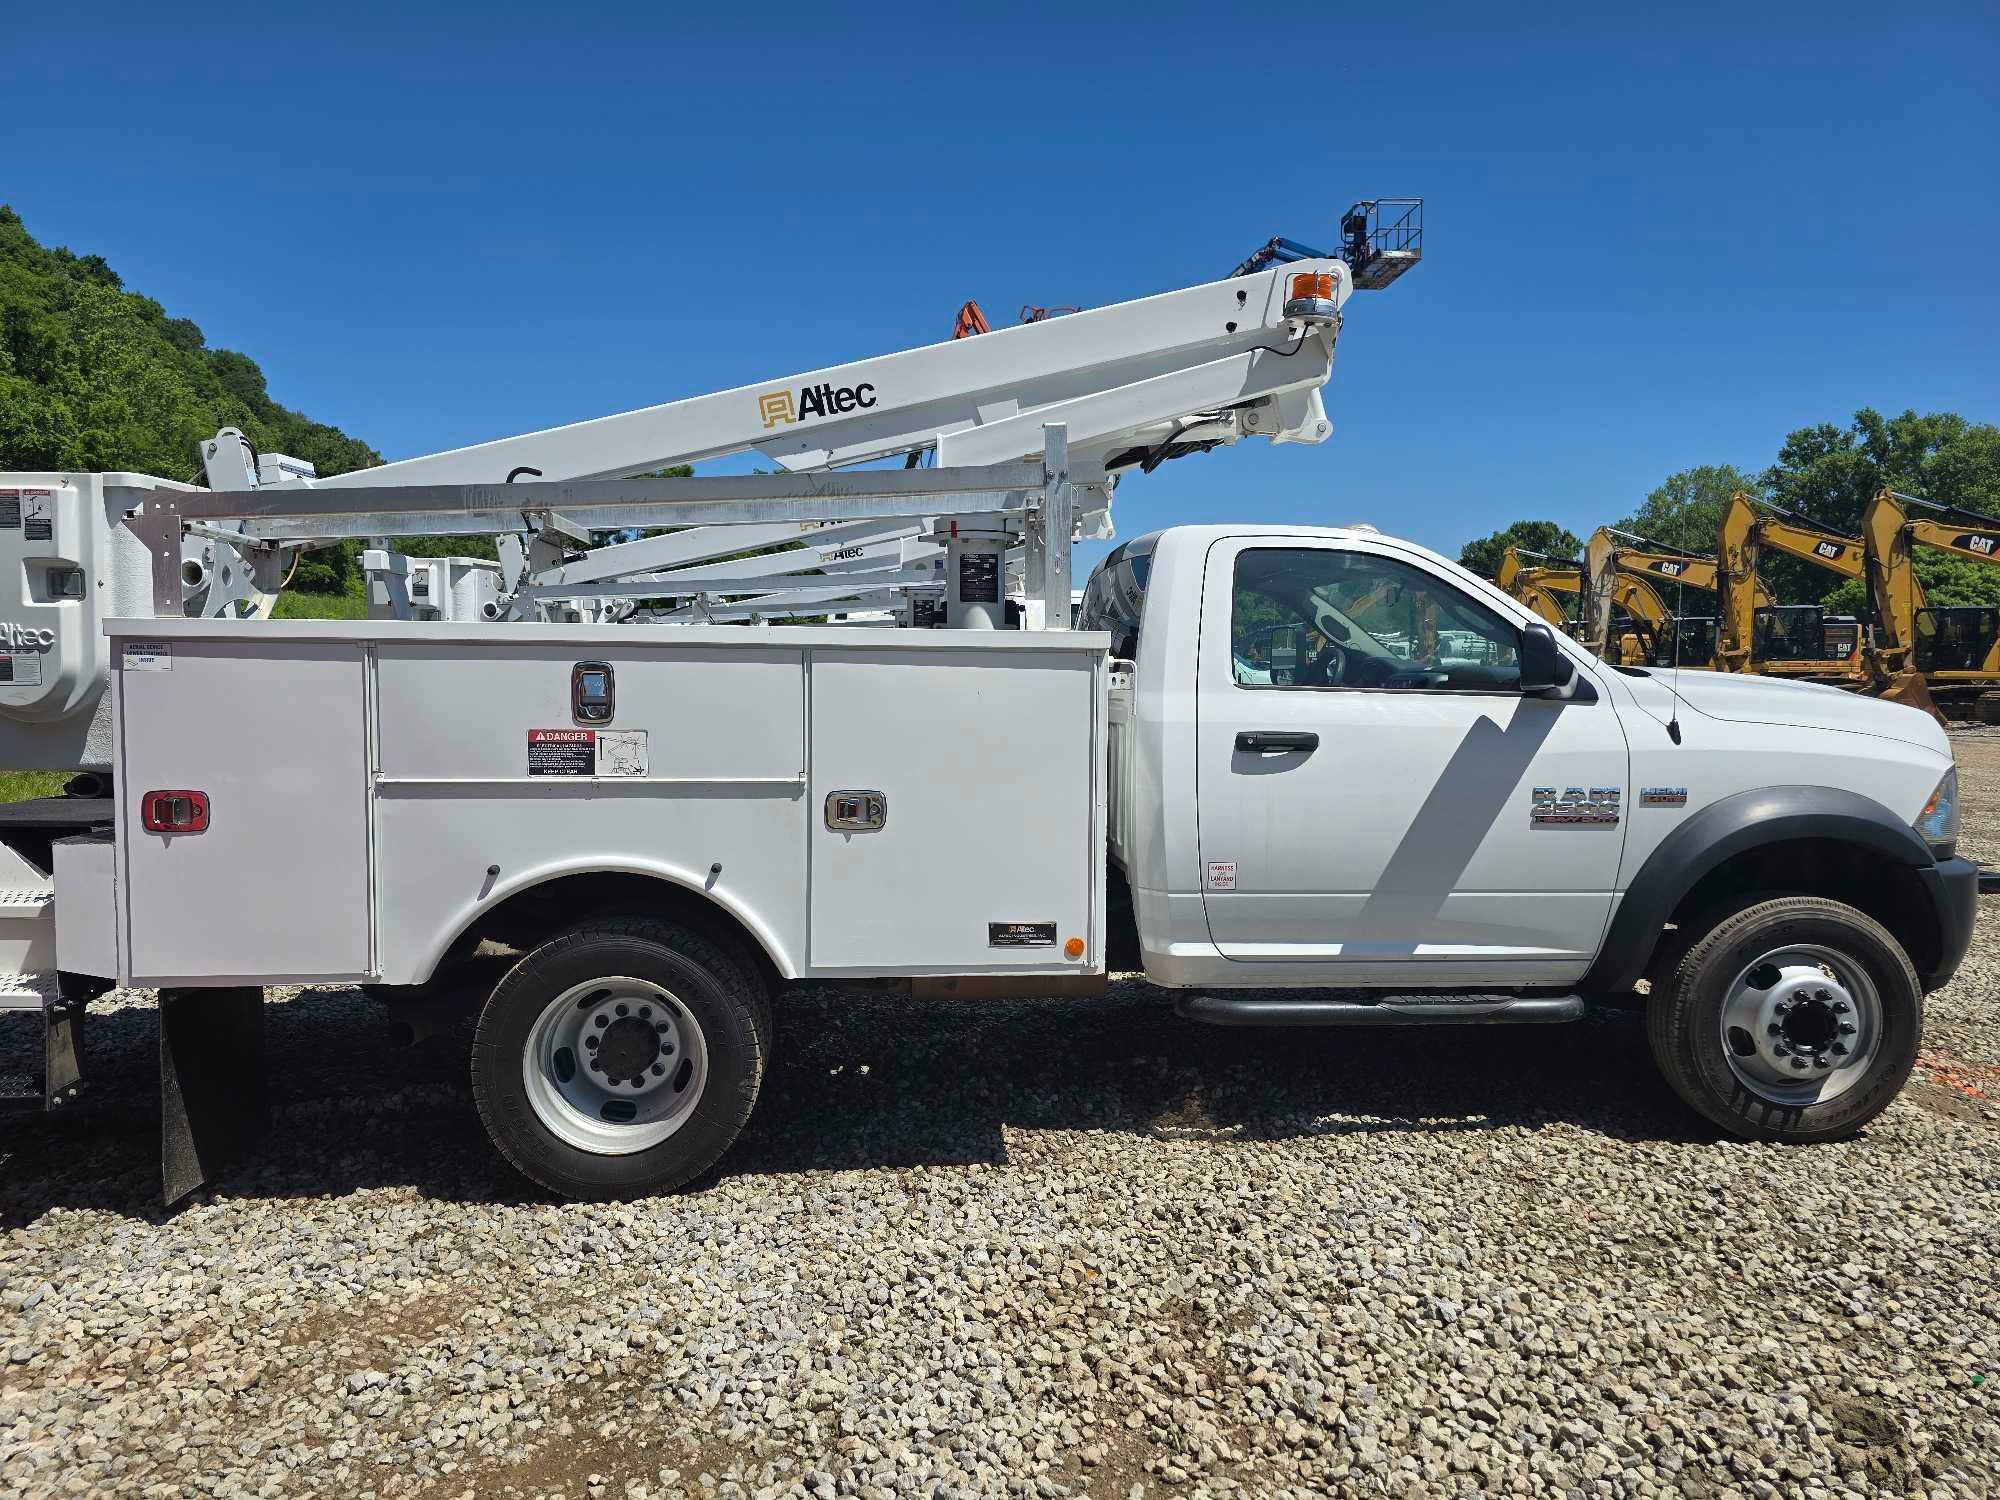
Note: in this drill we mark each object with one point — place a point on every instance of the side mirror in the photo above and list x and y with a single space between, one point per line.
1544 668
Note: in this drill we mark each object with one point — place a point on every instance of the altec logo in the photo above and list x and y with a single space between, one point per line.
20 637
822 400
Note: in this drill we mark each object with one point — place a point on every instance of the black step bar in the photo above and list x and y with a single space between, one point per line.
1989 881
1384 1010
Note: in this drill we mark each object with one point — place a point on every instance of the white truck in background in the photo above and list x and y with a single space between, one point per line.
1294 759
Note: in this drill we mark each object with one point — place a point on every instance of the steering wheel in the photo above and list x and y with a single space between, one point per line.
1328 669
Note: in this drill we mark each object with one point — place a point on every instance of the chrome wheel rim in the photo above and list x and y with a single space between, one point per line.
1801 1024
615 1065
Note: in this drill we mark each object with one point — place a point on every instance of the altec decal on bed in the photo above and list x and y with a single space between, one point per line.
587 752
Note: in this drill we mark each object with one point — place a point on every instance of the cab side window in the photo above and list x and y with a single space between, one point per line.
1309 617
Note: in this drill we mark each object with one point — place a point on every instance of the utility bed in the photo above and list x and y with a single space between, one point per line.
371 790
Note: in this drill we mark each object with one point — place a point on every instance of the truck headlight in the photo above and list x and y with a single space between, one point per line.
1938 822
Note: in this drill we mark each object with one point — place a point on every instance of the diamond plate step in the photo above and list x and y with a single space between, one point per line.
34 992
20 1088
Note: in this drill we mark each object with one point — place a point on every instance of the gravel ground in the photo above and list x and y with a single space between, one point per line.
1046 1249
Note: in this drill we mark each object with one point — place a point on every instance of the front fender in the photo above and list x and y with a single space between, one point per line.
1718 833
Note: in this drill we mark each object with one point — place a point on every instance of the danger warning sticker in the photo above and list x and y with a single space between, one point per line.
587 752
562 752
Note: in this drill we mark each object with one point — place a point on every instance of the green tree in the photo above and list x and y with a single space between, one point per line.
1685 511
1483 555
1829 473
93 376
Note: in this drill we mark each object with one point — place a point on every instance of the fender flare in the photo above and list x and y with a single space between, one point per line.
686 881
1724 829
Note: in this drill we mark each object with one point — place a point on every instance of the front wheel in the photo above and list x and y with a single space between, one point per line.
621 1058
1793 1019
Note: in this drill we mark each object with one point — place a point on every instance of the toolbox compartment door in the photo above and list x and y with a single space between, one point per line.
273 734
990 850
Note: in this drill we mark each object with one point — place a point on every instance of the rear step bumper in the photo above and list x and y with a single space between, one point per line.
1384 1010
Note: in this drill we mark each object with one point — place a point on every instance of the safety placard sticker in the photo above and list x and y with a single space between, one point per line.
621 752
1222 875
20 670
38 515
586 752
149 656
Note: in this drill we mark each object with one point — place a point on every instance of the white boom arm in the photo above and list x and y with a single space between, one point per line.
1134 382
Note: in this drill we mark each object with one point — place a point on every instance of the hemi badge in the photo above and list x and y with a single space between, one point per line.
1663 796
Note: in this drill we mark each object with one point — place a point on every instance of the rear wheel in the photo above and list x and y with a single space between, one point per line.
1794 1018
621 1058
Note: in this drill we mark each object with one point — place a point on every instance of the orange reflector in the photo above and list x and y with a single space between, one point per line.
1074 947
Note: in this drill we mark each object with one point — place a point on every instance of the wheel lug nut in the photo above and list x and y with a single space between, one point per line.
591 1042
1847 1028
1840 1007
667 1049
1798 994
603 1021
1774 1029
645 1012
621 1009
1821 1061
1799 1063
1838 1049
661 1027
659 1070
597 1064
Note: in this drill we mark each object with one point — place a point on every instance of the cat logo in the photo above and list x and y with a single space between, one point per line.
1673 569
1831 551
1973 541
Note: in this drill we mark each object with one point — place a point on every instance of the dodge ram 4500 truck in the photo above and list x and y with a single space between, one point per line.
1273 759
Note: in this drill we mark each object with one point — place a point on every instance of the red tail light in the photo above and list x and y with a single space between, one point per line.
174 812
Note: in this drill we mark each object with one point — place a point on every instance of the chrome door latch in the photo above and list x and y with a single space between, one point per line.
856 812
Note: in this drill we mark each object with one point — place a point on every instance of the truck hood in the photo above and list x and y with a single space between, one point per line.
1747 698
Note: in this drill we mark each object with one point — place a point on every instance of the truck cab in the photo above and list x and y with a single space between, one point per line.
1340 760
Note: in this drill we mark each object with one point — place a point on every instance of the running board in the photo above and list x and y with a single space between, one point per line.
1385 1010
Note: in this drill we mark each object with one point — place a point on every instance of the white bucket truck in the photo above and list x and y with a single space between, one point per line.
1273 759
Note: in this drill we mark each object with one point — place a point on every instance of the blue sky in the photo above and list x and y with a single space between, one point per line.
1652 242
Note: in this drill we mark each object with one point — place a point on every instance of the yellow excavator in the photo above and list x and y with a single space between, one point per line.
1611 554
1953 649
1545 586
1540 586
1795 640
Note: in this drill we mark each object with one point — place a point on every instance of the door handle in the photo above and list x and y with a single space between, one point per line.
1266 741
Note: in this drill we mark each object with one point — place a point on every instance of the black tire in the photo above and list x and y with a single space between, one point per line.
1684 1016
718 986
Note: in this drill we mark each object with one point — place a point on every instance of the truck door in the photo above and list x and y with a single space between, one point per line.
1381 802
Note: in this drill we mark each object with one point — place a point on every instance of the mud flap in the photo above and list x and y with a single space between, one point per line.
213 1104
62 1049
